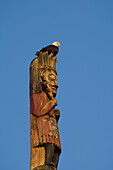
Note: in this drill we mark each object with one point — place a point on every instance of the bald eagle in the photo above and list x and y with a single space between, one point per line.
50 48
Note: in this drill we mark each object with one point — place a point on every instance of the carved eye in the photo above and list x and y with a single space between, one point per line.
52 79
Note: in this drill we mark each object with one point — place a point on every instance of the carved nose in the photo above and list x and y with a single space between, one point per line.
56 84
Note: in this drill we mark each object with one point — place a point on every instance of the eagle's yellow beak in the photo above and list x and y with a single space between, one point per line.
59 44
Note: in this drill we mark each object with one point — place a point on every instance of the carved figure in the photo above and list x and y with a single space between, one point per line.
44 116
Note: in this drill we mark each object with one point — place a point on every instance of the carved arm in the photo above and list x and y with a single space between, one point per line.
48 106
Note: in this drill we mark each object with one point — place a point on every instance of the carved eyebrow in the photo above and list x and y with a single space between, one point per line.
52 76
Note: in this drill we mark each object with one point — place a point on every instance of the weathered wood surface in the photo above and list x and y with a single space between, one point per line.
45 167
38 153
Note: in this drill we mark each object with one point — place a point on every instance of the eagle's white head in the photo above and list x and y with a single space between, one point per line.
56 43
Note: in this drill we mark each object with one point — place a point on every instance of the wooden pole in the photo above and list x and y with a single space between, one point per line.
44 135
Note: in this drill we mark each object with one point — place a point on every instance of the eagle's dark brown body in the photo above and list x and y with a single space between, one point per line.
51 49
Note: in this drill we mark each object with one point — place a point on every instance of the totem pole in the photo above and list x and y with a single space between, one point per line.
44 134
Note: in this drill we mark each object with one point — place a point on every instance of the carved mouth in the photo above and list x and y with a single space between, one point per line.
54 88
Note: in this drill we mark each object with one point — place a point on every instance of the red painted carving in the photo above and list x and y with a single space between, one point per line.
43 108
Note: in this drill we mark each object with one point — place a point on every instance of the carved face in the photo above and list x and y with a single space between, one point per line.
50 81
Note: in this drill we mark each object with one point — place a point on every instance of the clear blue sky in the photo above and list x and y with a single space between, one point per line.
85 76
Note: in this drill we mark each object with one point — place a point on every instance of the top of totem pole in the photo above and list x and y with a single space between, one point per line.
37 68
45 61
